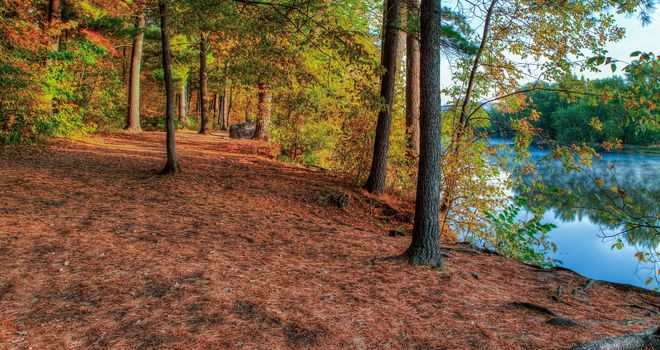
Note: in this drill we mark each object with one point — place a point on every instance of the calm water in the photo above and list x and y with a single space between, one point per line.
582 221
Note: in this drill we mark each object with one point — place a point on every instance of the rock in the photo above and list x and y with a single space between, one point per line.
242 130
396 233
340 199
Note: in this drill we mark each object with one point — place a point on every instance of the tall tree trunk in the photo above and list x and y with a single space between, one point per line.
248 108
123 64
425 246
133 116
378 174
183 113
225 110
460 130
263 112
54 17
172 165
193 100
231 103
203 91
412 81
217 110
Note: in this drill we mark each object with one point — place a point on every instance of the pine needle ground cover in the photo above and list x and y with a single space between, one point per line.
237 251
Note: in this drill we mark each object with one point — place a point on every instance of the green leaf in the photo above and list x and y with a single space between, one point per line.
636 53
613 66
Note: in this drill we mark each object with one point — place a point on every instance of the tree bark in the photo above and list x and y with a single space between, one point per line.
193 100
183 113
217 111
231 103
425 246
203 91
133 116
124 65
378 174
172 165
412 81
248 109
225 110
263 112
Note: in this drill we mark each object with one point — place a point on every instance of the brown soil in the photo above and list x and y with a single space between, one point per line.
242 251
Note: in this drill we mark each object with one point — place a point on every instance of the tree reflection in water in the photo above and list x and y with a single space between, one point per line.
620 193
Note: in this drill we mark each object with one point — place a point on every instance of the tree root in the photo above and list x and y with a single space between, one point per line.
566 322
557 297
649 338
464 250
584 289
396 258
534 307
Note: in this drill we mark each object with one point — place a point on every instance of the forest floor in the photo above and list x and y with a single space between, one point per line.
243 251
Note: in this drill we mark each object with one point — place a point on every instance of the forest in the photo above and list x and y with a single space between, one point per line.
581 120
396 174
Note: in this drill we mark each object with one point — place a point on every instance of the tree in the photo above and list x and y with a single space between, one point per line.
412 80
54 17
263 111
183 107
133 116
425 246
203 86
172 164
378 174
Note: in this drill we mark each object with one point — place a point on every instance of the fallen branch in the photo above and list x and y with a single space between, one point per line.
648 338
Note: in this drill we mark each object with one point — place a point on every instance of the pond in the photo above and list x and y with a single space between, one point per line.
586 232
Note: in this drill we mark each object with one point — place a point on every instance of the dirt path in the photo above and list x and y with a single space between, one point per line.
98 252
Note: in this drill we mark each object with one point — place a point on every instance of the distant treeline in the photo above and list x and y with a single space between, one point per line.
594 117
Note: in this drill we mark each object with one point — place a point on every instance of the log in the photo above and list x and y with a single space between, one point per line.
649 338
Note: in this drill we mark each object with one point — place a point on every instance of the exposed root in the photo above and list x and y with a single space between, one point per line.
463 250
566 322
558 296
534 307
584 289
649 338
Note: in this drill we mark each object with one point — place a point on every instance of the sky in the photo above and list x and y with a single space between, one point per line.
638 38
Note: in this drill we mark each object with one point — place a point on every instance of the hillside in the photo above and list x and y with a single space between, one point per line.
243 251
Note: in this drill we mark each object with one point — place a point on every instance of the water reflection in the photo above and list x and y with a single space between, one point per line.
617 197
